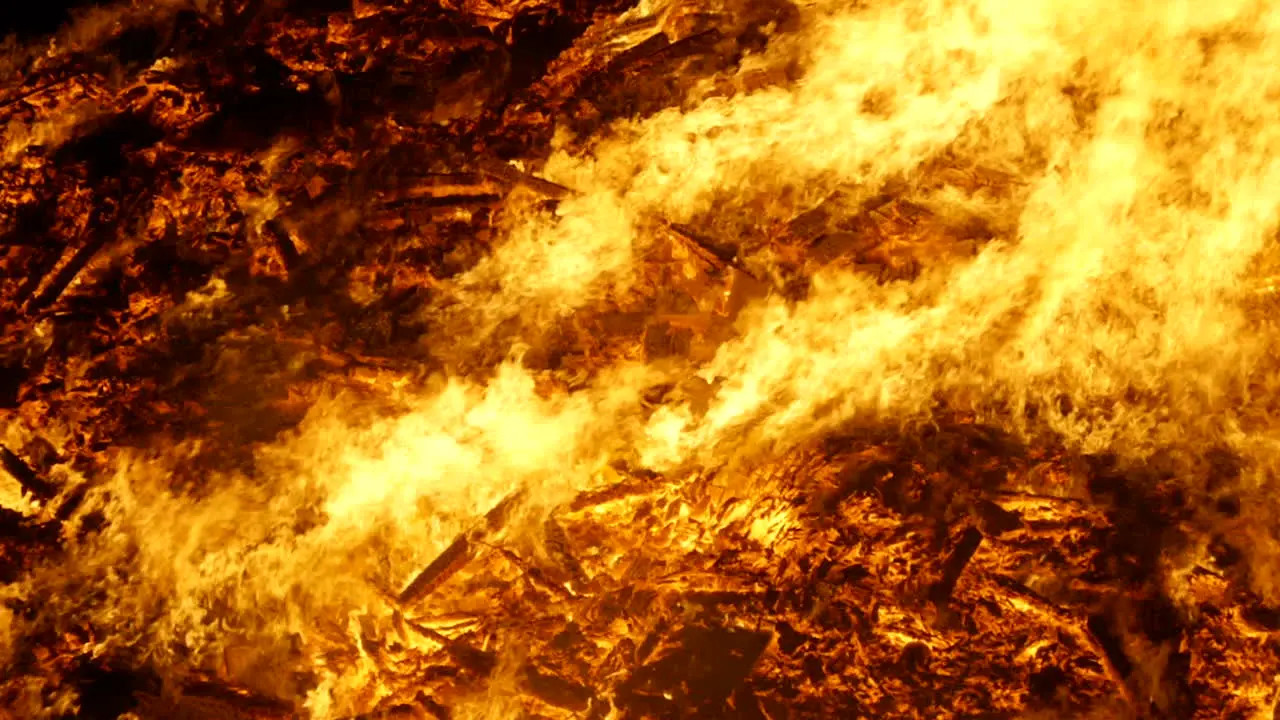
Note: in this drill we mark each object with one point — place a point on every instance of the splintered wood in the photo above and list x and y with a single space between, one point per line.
210 220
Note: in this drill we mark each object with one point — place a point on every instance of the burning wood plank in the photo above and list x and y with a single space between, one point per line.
717 256
499 170
478 661
459 552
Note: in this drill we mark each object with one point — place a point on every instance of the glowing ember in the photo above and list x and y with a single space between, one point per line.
747 359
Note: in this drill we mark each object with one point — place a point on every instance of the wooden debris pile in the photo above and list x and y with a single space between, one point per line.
952 574
210 217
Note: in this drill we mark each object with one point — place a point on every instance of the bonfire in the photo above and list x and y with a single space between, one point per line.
621 359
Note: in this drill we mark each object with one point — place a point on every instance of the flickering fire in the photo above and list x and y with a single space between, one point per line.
917 339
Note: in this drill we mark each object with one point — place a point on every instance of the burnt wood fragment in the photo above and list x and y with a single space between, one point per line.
459 552
26 476
957 560
284 244
500 170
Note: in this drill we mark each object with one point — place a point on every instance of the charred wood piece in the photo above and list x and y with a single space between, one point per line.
26 476
102 230
439 185
505 173
646 48
995 519
481 662
714 254
659 49
854 480
459 552
45 262
433 708
940 592
420 708
210 700
468 202
8 102
16 526
430 179
284 244
543 579
551 689
1065 500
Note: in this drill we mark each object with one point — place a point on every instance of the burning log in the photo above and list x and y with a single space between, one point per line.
67 273
454 558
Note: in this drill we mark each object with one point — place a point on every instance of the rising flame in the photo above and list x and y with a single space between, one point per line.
1122 160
